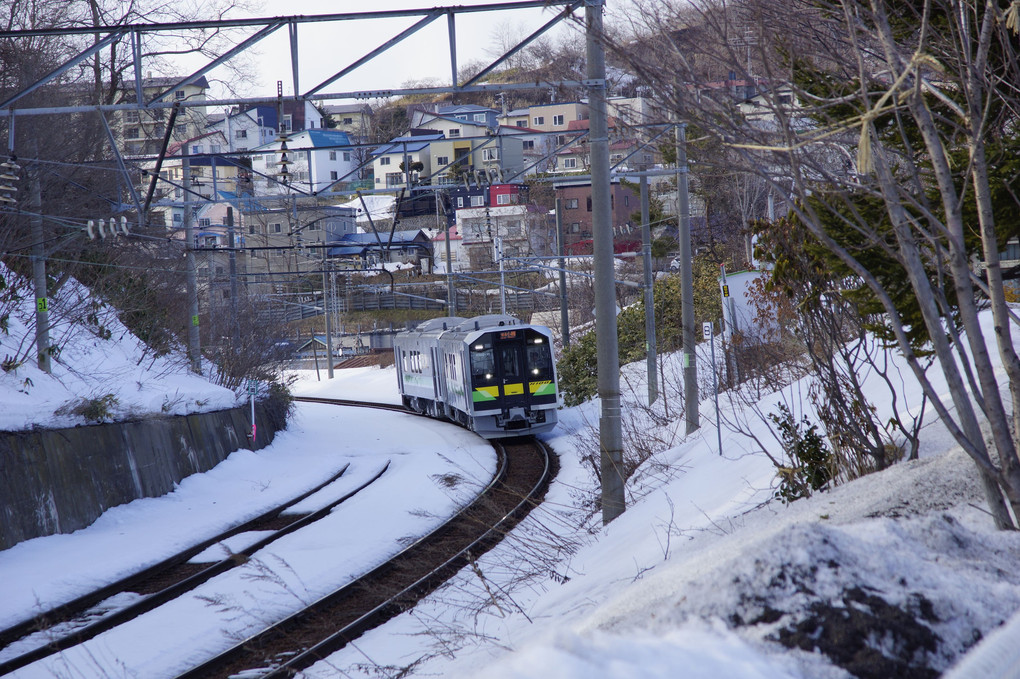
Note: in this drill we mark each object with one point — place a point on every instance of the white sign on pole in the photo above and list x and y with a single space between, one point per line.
706 331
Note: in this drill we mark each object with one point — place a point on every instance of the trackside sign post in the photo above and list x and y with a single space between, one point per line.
706 333
253 388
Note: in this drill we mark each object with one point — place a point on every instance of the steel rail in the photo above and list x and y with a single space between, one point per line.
174 590
86 601
225 663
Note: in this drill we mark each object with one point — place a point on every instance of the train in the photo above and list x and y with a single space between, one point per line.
492 374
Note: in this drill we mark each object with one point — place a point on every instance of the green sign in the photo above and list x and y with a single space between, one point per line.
42 305
194 320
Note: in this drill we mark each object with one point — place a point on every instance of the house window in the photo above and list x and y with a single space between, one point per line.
177 216
394 178
132 133
131 116
214 148
528 144
348 121
490 154
210 241
333 175
570 204
557 120
442 161
503 199
332 155
539 120
460 201
347 156
196 148
477 201
522 123
453 132
204 221
589 203
179 94
626 201
479 117
240 134
569 163
251 229
384 160
276 228
575 227
288 123
180 130
314 226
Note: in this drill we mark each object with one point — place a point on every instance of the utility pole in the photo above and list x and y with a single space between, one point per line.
560 247
235 328
651 349
190 269
690 367
325 309
610 424
42 307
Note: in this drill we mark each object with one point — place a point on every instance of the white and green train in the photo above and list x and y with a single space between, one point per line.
492 374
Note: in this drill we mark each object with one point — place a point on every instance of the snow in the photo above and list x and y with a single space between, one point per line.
700 576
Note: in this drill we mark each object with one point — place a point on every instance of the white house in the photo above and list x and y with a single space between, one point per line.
316 160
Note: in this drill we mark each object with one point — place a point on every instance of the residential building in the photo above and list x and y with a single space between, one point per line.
317 160
576 206
354 119
141 131
371 250
279 239
409 151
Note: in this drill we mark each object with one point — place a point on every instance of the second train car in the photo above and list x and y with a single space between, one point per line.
492 374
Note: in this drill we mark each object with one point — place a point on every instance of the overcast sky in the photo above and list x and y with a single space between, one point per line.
326 48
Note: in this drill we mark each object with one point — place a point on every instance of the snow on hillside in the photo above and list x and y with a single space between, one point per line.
897 574
96 359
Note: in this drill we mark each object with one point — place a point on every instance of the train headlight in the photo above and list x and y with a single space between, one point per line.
488 376
534 371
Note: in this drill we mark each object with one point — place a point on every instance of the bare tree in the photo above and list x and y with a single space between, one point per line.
924 99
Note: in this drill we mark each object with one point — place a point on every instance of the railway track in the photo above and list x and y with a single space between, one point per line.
525 469
82 619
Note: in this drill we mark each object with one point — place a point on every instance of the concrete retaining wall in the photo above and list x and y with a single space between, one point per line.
60 480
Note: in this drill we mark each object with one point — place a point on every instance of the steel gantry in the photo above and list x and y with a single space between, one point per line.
256 30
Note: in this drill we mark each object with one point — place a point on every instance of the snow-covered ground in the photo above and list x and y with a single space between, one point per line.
704 575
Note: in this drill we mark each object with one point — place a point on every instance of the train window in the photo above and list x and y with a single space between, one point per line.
483 364
539 357
511 366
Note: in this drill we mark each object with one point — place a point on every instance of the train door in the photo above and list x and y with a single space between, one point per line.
511 362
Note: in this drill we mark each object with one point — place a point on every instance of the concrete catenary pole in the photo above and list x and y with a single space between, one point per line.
235 326
560 249
610 425
190 268
690 367
651 349
42 307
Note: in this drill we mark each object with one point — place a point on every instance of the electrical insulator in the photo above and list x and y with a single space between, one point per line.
123 225
90 229
8 176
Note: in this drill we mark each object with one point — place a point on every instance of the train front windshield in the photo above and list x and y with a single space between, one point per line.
512 367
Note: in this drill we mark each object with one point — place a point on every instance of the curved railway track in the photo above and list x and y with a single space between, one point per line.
158 583
525 468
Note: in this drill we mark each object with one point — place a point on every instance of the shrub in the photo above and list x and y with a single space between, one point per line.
811 463
95 409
